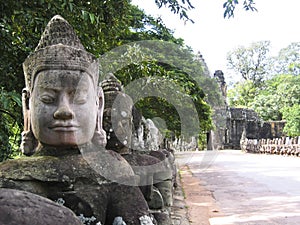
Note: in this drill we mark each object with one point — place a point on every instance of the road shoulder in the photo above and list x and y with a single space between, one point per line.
200 203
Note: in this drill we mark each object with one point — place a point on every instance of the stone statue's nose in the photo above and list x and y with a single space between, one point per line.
64 113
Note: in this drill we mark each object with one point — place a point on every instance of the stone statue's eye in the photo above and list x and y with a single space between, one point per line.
80 97
79 100
46 98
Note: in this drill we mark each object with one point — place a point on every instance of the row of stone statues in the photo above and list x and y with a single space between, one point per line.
278 146
153 165
79 139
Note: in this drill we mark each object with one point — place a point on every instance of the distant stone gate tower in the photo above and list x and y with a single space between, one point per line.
239 120
219 76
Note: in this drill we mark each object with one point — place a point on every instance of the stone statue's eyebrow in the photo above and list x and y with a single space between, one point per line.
48 88
82 89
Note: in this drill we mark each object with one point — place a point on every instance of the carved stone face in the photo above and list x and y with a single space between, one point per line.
118 123
63 108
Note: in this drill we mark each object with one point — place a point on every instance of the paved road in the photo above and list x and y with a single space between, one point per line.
249 189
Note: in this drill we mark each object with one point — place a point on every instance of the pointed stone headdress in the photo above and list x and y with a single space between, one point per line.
59 48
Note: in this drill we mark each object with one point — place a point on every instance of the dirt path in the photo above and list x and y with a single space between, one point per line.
199 201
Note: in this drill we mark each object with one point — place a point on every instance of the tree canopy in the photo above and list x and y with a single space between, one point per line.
250 62
183 6
103 26
270 85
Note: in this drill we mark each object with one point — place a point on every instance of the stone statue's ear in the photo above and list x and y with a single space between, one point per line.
99 137
101 102
100 105
25 106
28 142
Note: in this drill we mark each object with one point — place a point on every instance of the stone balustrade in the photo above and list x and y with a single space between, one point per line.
279 146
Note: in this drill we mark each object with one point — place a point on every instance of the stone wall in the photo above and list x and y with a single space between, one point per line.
241 121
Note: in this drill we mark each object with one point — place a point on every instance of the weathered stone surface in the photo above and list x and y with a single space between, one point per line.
167 173
156 201
144 167
63 111
117 115
163 218
118 123
81 181
120 117
20 207
166 190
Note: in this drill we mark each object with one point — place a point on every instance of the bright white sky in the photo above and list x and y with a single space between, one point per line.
276 21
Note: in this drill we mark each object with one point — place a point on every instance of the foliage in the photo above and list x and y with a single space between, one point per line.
22 23
9 101
250 62
177 7
164 80
101 26
287 61
181 7
282 91
271 85
242 94
230 5
292 116
267 106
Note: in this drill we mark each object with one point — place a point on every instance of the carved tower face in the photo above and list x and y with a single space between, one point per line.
63 108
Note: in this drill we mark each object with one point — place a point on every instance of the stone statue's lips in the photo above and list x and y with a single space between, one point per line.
64 127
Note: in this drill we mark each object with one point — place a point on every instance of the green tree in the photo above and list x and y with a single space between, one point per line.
262 72
101 26
181 7
10 129
167 76
230 6
21 25
250 62
267 106
281 91
271 85
242 94
113 23
292 116
287 61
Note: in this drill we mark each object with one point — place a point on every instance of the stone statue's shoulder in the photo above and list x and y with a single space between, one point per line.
27 168
44 168
136 159
12 207
121 163
109 164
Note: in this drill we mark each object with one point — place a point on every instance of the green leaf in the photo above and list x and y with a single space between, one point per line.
17 99
92 17
71 6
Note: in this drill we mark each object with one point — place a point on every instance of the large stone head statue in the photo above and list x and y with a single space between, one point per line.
62 104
